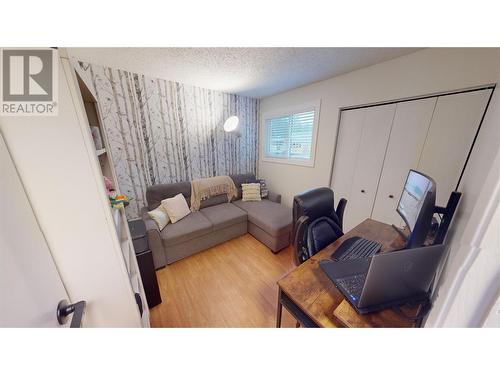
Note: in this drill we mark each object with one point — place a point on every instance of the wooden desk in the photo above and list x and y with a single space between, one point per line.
312 298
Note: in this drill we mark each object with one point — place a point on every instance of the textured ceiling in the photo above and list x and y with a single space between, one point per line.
255 72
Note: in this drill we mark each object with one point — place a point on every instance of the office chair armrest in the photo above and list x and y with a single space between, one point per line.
298 242
340 212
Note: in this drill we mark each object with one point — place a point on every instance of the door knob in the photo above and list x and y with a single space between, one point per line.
64 309
391 196
362 190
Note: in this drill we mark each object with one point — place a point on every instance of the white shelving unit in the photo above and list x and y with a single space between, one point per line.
92 112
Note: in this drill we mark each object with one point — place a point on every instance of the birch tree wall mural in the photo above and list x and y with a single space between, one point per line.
161 131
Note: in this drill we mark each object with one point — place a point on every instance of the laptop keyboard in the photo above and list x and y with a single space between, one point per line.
355 248
353 285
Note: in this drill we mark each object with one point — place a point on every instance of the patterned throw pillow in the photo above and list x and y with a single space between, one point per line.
251 192
263 188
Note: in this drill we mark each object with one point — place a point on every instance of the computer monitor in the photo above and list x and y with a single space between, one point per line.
416 206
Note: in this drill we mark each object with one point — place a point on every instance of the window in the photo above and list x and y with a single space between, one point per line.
291 138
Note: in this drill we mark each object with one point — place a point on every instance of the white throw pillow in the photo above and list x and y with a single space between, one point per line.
160 216
176 207
251 192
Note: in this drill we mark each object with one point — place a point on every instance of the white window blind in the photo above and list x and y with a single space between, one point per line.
290 136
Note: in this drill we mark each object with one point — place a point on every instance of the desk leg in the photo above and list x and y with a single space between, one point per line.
279 310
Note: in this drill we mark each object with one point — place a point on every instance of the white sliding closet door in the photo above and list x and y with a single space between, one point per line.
377 146
375 133
349 138
409 130
450 137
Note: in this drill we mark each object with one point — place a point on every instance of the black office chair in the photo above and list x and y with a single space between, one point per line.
316 223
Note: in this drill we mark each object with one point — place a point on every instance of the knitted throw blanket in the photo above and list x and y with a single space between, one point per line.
205 188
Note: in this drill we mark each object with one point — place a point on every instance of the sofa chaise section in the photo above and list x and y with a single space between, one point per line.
269 222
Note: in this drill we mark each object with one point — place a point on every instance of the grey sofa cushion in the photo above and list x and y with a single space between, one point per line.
156 193
212 201
224 215
239 179
193 225
272 217
187 248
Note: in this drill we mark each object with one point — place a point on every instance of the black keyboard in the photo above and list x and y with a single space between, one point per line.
353 285
355 248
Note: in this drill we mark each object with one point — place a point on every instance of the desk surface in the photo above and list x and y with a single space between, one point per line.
313 292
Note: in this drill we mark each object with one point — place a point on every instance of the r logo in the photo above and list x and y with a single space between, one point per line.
29 80
27 75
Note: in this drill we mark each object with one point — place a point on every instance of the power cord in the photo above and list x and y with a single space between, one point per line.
425 306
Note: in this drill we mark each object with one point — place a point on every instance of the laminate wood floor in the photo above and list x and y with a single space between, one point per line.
230 285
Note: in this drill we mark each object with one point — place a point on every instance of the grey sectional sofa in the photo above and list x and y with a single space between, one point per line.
216 222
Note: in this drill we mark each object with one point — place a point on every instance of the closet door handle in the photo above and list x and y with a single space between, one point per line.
362 190
391 196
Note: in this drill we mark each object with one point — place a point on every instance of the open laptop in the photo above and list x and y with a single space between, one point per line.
385 279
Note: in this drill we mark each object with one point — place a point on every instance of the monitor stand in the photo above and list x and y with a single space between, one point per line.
400 232
447 215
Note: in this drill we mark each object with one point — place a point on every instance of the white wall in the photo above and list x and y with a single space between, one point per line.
493 318
424 72
471 279
478 281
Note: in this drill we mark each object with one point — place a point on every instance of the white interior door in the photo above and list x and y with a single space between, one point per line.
409 130
30 286
451 134
377 125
